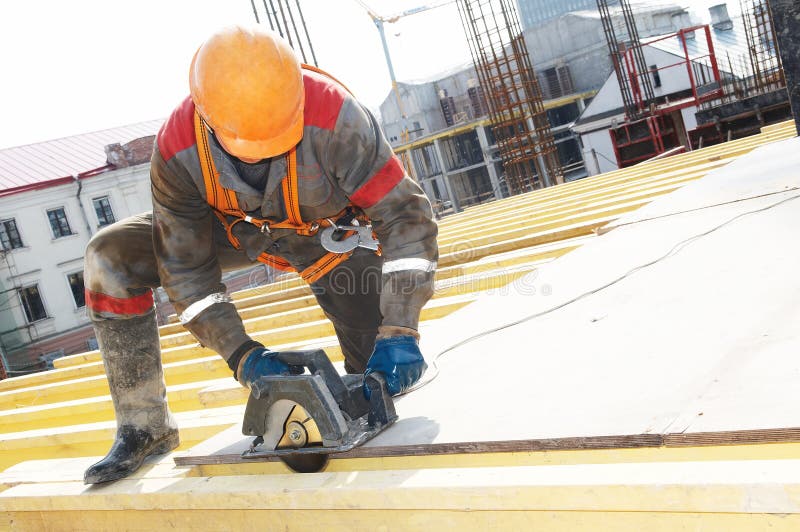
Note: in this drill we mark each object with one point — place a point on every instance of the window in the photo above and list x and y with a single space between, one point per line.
76 286
478 101
9 236
417 130
448 106
58 222
32 303
656 76
102 208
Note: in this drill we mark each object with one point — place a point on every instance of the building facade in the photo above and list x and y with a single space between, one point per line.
748 101
54 196
46 220
534 12
450 141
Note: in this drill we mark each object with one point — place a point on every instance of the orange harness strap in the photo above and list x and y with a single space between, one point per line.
224 203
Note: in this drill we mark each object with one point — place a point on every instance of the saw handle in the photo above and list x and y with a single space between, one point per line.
348 391
317 362
381 407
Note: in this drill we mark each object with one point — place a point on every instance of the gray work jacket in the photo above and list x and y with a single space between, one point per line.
342 158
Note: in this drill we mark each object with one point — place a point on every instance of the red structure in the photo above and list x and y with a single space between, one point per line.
703 72
653 125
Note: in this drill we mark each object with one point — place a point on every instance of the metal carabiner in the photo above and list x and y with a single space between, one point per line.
362 237
344 245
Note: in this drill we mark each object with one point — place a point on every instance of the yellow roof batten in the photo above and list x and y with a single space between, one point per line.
457 130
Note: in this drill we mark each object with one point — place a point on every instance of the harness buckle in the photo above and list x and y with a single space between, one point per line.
361 238
265 228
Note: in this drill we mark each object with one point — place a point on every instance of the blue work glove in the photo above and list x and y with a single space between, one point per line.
261 362
399 360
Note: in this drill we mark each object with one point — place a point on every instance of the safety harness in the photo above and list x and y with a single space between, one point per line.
225 205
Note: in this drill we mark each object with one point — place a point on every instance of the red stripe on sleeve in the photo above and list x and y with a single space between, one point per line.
177 133
115 305
324 99
379 185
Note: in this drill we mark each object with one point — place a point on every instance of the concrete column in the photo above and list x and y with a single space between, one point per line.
441 182
446 176
428 189
483 140
786 18
591 161
543 169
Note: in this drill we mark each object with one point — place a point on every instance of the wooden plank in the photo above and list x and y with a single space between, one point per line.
631 441
72 469
735 437
307 323
768 163
705 159
344 520
756 486
438 449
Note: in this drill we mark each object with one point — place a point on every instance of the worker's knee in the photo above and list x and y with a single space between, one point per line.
102 259
119 258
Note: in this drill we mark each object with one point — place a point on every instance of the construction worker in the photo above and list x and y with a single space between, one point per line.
262 156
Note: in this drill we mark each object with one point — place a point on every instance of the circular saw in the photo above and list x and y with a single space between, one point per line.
303 419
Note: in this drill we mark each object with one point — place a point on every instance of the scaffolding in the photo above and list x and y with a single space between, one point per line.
759 71
14 341
761 41
626 55
512 92
766 70
754 86
653 126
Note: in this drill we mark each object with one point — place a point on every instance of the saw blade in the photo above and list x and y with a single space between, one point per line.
306 462
301 432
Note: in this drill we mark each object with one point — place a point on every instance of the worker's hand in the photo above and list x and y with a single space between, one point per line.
399 360
261 362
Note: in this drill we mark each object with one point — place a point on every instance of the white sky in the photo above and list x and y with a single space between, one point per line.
74 66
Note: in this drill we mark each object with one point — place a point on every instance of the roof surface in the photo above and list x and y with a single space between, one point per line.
33 164
651 351
728 44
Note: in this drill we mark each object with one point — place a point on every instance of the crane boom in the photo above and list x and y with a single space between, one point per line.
406 13
379 21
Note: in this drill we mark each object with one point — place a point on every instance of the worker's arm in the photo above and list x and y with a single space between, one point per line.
187 259
357 154
359 157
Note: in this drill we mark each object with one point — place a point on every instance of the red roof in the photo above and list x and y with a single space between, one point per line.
50 162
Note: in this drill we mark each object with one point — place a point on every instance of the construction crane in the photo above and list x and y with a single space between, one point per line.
379 22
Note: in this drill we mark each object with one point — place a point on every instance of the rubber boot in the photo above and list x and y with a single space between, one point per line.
145 426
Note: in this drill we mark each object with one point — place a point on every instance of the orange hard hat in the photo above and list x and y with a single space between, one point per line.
247 85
